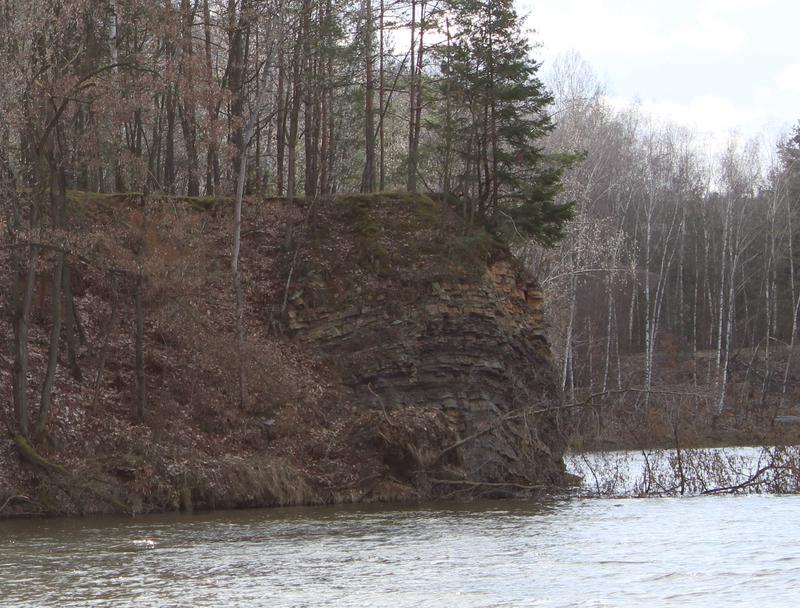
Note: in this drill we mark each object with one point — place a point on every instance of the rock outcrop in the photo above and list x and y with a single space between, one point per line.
468 344
392 353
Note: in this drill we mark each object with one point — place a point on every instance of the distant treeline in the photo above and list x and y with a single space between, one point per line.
681 268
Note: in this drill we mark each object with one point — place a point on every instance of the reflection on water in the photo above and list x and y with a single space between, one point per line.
701 551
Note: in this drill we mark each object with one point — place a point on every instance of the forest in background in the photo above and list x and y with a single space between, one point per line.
677 283
673 289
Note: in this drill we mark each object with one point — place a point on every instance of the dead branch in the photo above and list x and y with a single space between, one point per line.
751 481
532 411
10 498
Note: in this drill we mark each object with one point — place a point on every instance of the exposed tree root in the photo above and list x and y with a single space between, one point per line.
30 455
62 478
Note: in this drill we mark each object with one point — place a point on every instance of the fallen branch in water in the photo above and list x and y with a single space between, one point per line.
753 480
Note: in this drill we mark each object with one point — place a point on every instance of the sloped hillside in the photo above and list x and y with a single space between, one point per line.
392 353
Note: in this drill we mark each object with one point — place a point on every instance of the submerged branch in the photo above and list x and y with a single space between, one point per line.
754 479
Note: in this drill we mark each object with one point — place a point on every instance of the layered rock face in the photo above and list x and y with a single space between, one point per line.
469 346
393 352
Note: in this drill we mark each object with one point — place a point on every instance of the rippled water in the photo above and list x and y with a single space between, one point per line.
702 551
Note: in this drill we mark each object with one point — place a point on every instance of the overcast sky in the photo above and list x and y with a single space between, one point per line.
719 66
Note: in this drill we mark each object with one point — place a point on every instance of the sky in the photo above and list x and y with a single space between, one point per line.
720 67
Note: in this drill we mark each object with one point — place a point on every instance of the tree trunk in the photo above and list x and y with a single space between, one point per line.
381 100
368 178
55 340
187 109
23 301
112 323
141 377
448 122
212 159
280 143
248 129
414 153
236 77
189 128
294 119
69 325
411 174
169 151
310 109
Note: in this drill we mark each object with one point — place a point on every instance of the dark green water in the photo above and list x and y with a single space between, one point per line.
703 551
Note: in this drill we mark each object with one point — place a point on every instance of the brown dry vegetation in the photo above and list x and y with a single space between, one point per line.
303 438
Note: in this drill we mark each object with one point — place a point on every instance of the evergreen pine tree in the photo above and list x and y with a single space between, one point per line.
497 118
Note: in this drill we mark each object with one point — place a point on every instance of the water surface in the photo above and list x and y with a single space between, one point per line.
700 551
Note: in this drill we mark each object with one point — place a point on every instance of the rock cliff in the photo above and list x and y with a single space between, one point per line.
392 353
437 329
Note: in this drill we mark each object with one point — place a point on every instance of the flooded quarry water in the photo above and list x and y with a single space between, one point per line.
741 550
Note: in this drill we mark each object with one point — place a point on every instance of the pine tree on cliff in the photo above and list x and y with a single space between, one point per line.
496 117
